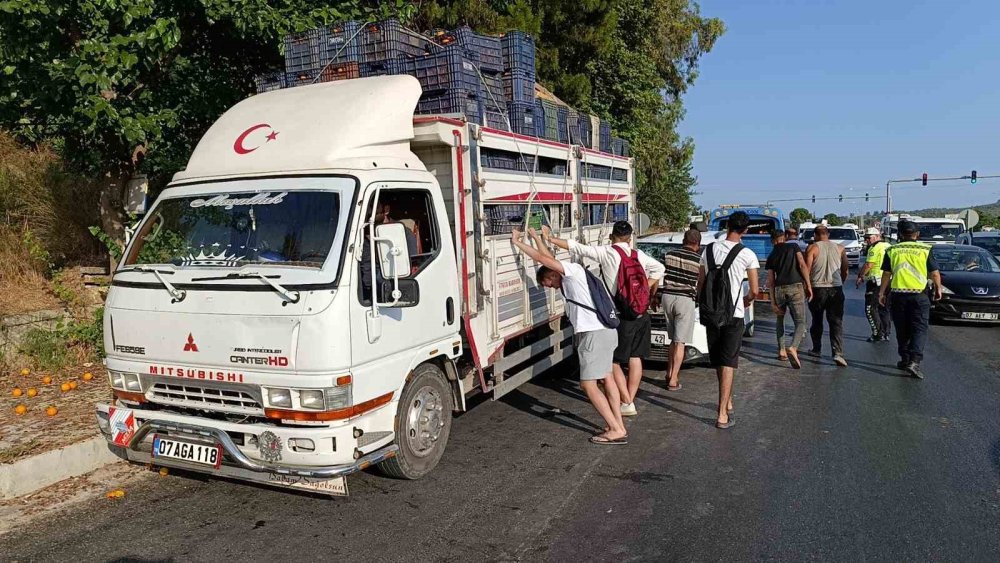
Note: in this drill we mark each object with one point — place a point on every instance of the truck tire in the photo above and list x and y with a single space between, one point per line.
423 423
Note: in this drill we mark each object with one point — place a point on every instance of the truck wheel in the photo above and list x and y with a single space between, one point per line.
423 422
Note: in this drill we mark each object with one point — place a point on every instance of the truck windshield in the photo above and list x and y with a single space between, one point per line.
939 231
294 228
758 225
843 234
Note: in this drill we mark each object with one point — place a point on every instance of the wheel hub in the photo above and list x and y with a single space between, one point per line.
424 421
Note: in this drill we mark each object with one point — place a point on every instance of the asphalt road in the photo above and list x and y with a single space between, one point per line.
852 464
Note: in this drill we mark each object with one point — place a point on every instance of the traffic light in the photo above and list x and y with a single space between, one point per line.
924 178
814 199
866 196
973 176
840 198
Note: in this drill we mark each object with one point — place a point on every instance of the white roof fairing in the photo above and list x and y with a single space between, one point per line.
321 126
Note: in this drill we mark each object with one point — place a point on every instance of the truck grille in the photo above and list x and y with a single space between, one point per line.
221 399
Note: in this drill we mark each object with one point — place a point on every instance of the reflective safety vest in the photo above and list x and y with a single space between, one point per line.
909 266
876 255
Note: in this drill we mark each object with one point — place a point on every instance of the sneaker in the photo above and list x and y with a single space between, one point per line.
628 409
873 339
885 338
914 370
840 361
814 353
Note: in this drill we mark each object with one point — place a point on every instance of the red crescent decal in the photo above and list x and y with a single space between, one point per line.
238 145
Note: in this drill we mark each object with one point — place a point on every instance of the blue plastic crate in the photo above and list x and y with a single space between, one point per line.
562 116
326 73
303 77
523 118
506 160
496 120
487 49
573 125
519 86
340 42
548 125
596 171
491 87
605 136
449 102
619 175
448 70
384 68
270 81
518 50
302 51
586 128
388 39
553 166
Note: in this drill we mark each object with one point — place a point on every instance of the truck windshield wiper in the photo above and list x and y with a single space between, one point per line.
176 295
286 294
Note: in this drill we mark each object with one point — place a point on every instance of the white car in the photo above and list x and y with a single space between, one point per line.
657 246
844 236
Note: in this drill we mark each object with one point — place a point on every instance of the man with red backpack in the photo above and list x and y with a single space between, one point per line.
631 277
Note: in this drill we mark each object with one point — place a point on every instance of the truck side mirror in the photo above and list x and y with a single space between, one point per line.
393 252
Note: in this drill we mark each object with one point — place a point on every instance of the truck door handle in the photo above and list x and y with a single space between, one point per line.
449 310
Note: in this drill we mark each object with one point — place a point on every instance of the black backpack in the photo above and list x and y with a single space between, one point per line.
604 307
715 302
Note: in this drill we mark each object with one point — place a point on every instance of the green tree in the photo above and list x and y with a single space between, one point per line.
833 219
799 215
111 81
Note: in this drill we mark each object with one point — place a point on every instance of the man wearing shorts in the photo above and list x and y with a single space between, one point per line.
634 335
679 285
724 342
595 343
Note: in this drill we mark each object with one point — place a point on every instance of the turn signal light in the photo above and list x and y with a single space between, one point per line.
344 380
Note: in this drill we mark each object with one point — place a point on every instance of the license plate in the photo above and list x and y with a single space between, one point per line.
202 454
981 316
659 339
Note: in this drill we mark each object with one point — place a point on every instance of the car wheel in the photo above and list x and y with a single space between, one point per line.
423 423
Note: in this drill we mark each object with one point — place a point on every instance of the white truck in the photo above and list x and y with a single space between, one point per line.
331 276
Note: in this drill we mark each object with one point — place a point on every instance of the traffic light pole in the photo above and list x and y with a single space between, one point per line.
888 192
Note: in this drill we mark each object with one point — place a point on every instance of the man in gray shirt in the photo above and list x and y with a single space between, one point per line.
827 264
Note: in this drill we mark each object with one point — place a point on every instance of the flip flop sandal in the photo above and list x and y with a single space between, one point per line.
678 388
602 441
725 425
795 362
783 358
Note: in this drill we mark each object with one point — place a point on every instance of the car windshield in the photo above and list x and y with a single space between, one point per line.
939 231
843 234
657 250
965 260
758 225
294 228
991 244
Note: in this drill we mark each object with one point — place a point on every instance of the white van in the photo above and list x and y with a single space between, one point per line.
331 276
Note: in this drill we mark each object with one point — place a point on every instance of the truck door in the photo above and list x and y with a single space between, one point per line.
387 340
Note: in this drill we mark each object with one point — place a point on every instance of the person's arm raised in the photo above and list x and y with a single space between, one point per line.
534 254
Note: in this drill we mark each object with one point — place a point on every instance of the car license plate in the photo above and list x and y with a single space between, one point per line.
981 316
203 454
659 339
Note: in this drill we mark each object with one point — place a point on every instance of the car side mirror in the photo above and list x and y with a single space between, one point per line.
392 250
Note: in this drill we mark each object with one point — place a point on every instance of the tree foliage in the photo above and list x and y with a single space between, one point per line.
799 215
833 219
629 61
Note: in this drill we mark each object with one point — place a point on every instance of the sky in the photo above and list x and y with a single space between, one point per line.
811 97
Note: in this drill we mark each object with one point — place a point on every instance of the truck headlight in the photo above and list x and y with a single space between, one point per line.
311 399
279 397
132 382
117 379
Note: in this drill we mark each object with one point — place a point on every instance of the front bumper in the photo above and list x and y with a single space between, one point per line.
954 308
337 451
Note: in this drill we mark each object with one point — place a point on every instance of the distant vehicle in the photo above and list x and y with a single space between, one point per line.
764 220
844 236
889 224
657 246
938 230
970 279
988 240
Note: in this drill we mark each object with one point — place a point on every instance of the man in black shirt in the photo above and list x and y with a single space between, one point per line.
788 279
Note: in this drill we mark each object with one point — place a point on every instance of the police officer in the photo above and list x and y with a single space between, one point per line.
905 272
871 276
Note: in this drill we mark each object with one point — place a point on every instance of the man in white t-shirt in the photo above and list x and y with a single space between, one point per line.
595 343
634 335
724 342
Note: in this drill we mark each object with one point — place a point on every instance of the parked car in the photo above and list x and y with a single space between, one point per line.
970 280
657 246
989 241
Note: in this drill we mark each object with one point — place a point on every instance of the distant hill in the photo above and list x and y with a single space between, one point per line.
991 208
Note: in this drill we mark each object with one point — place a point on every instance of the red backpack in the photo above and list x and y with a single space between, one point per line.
632 294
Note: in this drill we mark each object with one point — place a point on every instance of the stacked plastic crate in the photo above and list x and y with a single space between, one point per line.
323 54
518 49
470 69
